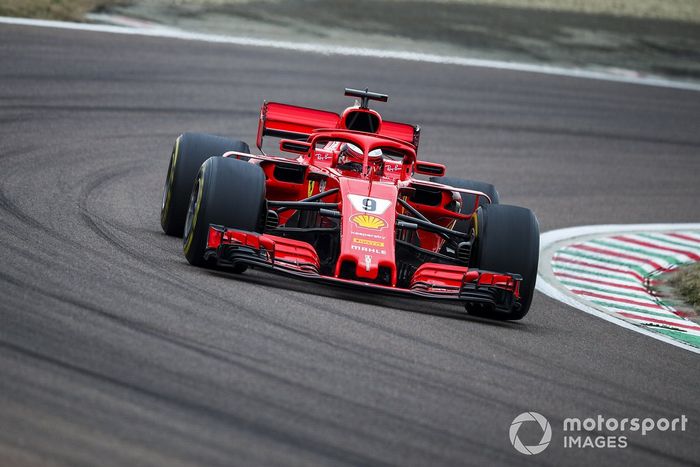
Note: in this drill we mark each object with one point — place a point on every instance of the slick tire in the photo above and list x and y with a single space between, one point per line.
508 241
225 192
189 152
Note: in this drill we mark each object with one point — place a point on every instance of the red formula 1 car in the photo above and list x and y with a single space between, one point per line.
347 209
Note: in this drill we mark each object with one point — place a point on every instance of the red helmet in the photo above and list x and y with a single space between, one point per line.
351 157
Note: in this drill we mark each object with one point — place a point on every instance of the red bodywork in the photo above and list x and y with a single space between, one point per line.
366 212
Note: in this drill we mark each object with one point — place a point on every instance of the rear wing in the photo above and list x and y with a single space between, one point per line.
294 122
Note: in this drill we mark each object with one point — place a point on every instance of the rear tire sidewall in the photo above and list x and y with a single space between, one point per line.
189 153
476 185
467 199
508 241
226 192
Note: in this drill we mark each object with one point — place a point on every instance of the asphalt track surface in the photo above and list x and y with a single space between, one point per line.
114 351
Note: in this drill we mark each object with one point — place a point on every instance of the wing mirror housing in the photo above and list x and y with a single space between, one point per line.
297 147
430 168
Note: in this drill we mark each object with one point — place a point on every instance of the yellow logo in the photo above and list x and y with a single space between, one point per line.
368 221
363 241
311 188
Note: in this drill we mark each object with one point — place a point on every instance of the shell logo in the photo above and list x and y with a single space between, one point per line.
368 221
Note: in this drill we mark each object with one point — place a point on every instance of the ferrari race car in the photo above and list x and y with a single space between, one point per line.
346 208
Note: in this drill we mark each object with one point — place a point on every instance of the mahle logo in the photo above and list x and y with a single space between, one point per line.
546 433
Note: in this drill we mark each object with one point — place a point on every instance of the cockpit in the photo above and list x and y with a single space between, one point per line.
349 159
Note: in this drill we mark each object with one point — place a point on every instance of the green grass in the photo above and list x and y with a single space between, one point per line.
68 10
675 10
678 10
687 283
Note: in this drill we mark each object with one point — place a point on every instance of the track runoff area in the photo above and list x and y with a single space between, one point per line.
610 272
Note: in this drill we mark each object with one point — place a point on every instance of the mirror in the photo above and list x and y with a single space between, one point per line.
298 147
430 168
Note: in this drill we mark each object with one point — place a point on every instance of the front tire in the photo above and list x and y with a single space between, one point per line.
226 192
189 152
508 241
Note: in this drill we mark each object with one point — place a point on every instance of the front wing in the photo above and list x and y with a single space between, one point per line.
229 247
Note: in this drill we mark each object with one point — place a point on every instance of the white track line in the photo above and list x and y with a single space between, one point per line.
626 76
546 286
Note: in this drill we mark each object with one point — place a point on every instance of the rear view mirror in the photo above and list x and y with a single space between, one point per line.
298 147
430 168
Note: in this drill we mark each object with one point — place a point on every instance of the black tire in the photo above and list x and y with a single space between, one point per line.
508 241
467 199
189 152
226 192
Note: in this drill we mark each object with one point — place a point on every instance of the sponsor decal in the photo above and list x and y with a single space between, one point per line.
311 188
366 204
323 157
368 249
368 221
369 235
364 241
368 262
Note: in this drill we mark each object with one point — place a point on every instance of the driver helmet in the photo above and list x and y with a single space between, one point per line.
350 157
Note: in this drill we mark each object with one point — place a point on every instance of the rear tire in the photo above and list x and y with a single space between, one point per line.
467 199
226 192
508 241
189 152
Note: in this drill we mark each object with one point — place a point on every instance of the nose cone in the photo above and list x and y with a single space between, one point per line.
367 237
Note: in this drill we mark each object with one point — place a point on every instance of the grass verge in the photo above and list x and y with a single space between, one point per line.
686 282
674 10
66 10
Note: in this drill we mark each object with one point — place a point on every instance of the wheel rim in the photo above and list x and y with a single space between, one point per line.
166 185
191 209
